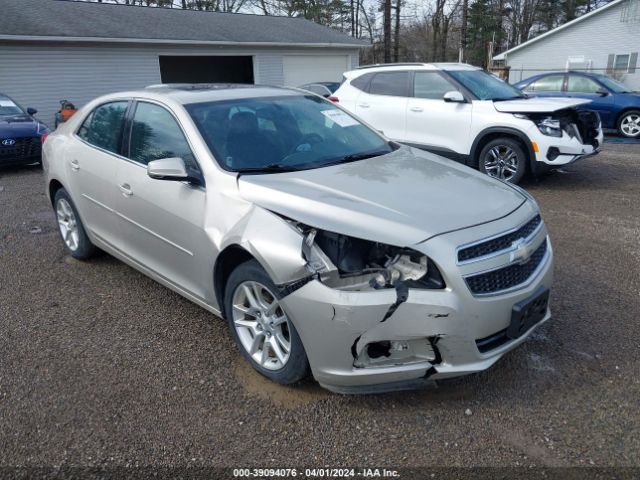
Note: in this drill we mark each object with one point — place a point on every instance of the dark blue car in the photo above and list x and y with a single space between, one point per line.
619 108
20 134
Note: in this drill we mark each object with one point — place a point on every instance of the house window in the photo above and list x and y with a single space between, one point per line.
621 63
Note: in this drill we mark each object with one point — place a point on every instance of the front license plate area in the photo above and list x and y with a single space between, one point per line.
528 312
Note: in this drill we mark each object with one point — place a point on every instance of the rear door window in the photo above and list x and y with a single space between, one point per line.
103 127
390 83
550 83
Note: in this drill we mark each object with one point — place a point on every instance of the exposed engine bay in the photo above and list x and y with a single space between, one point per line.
355 264
583 125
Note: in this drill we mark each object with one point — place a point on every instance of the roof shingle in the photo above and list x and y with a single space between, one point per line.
106 21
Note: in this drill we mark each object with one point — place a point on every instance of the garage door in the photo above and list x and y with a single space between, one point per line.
301 69
206 69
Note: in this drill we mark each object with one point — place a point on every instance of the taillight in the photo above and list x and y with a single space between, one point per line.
334 99
43 137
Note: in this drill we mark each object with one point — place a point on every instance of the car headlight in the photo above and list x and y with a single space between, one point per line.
550 126
350 263
42 128
547 125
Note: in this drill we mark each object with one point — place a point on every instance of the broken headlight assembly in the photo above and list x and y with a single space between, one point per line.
350 263
547 124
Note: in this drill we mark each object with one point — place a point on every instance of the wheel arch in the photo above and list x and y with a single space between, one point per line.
54 186
226 262
491 133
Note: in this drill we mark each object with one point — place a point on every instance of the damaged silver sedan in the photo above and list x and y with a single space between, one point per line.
328 249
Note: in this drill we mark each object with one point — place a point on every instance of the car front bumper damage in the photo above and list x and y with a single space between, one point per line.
432 334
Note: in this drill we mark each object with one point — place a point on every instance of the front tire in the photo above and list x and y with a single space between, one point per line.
261 329
629 124
74 237
503 158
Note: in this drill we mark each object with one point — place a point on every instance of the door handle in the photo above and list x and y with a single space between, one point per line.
125 188
75 165
417 109
363 105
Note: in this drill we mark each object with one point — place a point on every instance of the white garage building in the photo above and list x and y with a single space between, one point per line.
62 49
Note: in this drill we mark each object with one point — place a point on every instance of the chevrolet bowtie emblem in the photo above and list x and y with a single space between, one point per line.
521 251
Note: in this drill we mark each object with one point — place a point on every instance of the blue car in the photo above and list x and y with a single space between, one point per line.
20 134
619 108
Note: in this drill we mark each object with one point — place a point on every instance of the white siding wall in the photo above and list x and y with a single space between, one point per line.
594 38
40 74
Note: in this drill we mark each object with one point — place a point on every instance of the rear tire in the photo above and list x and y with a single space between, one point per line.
74 237
629 124
264 334
503 158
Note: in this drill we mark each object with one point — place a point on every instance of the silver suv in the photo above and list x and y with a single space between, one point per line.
327 247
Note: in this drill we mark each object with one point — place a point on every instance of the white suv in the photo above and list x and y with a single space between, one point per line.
466 114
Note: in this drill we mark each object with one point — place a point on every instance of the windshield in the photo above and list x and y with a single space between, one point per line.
285 133
613 85
485 86
9 108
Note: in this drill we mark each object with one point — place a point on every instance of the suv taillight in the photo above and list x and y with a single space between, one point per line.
334 99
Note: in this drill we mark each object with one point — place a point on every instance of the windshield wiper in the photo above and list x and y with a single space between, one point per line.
271 168
504 99
354 157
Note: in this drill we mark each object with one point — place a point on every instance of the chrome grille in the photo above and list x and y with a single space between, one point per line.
500 243
507 277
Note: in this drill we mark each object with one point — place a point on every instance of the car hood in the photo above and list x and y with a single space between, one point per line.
18 126
538 104
401 199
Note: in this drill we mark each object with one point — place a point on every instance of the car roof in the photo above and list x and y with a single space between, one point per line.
597 76
187 93
452 66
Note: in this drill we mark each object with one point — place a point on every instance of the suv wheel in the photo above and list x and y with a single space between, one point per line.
75 239
264 334
629 124
503 158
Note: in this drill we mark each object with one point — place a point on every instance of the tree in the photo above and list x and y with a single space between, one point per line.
386 8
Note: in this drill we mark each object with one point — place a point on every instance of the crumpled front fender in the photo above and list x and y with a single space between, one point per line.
272 241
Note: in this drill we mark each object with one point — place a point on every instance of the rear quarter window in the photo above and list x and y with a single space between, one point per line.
362 82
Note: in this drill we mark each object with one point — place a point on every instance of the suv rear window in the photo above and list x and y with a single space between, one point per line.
390 83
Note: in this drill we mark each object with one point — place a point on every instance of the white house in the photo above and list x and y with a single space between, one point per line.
62 49
606 40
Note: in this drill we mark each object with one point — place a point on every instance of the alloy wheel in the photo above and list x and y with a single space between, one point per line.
630 125
67 224
501 162
261 325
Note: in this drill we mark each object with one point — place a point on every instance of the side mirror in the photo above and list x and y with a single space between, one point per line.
454 96
170 169
603 92
31 111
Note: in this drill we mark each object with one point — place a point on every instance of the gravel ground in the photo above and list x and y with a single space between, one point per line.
100 366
